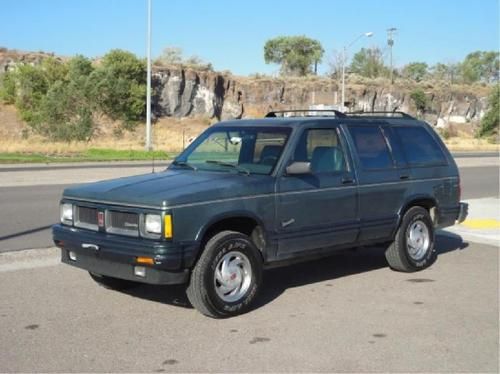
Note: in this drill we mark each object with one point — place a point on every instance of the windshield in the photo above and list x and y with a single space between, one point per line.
249 150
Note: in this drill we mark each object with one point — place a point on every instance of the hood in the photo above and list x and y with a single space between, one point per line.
172 187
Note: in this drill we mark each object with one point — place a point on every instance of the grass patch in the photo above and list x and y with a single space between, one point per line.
92 154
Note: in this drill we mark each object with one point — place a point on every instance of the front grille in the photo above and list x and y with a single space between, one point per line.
86 218
123 223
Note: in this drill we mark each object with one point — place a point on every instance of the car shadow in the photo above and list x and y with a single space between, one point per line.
276 281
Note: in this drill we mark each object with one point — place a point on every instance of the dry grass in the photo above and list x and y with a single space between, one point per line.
470 144
170 135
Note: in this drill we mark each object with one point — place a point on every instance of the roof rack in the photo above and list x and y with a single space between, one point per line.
380 114
336 113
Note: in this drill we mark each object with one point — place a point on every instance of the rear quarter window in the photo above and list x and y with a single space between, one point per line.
420 147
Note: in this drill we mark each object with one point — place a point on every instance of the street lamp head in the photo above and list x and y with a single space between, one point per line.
368 34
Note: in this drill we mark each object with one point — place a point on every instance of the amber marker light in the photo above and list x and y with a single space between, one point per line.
145 260
168 226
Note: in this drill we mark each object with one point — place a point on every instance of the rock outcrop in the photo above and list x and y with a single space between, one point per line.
182 92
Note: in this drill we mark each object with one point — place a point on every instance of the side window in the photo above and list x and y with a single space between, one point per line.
268 147
419 147
371 147
322 148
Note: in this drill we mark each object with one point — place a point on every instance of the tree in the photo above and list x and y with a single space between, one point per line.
490 66
296 54
65 113
420 100
368 63
8 87
480 66
119 87
31 87
335 64
79 66
170 56
415 71
490 121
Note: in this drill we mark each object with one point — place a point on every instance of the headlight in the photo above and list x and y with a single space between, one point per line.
67 213
153 224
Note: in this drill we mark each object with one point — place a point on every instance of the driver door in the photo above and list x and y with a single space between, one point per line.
318 209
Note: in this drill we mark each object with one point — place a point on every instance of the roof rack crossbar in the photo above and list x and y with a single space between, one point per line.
380 113
336 112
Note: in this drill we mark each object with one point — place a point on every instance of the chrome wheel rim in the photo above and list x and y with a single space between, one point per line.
232 276
418 240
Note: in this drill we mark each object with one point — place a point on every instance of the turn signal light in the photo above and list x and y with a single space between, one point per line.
145 260
168 226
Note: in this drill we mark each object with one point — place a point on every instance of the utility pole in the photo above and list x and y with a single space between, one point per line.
390 42
148 90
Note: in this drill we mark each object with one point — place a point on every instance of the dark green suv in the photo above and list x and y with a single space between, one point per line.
249 194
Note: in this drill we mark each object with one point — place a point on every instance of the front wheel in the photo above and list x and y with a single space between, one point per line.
413 246
227 276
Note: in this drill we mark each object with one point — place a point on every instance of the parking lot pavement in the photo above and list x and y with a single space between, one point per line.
348 312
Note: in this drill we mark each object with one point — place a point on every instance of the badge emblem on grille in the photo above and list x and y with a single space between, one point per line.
100 219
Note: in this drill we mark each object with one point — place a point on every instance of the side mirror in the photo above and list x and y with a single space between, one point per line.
299 168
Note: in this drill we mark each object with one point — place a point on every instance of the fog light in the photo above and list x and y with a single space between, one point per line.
140 271
72 255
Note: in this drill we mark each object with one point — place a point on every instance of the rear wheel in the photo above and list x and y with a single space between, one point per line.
413 245
227 276
113 283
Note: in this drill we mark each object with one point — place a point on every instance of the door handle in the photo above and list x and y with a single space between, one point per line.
404 176
347 180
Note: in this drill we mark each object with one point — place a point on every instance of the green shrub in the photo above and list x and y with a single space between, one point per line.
8 87
60 100
490 121
419 99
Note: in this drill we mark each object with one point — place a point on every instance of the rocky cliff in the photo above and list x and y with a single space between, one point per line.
182 92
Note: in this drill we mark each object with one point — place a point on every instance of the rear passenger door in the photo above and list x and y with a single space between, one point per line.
382 175
319 209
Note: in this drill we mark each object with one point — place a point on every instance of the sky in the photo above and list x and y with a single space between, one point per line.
231 34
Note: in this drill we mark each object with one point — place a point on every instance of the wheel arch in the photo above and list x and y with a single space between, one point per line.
240 221
425 201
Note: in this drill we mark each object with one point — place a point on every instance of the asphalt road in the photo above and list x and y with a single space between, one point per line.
29 211
346 313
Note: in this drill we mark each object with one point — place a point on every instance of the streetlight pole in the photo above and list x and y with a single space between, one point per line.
148 89
344 53
390 42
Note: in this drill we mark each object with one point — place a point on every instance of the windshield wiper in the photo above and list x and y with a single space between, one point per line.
222 163
184 164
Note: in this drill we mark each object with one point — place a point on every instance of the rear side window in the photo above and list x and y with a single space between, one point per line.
371 147
419 147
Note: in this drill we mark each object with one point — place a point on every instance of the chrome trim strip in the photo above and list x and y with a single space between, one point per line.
257 196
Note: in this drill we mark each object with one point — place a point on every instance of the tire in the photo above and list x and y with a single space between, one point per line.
413 246
227 277
113 283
